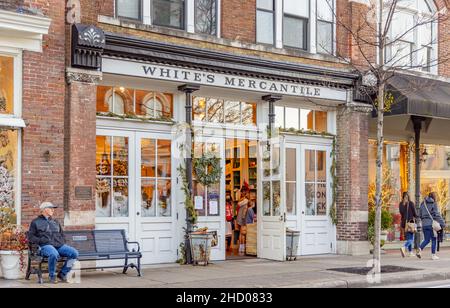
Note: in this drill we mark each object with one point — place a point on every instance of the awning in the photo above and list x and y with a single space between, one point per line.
420 96
11 123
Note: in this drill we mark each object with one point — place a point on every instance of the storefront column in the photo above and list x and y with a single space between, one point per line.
352 176
80 148
271 99
188 89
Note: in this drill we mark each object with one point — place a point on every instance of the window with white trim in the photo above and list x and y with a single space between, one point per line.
265 21
412 36
295 24
195 16
301 24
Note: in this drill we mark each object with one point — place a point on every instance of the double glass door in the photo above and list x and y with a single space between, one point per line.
134 190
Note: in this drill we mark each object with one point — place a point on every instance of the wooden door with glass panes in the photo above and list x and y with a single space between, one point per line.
133 190
316 225
155 207
209 201
272 209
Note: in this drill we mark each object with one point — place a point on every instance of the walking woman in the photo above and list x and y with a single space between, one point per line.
408 214
431 222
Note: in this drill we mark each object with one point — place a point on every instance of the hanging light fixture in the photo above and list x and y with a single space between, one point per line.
424 155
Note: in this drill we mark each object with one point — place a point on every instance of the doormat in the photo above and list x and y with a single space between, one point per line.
365 270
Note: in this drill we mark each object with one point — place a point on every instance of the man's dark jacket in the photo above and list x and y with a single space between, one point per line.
46 232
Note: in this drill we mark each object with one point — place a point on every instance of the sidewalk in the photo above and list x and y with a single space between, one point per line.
257 273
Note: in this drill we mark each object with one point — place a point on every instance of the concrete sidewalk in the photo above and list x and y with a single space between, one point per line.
257 273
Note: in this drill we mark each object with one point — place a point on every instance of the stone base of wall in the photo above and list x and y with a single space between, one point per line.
353 248
79 220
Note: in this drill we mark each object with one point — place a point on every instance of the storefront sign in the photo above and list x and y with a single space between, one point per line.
177 74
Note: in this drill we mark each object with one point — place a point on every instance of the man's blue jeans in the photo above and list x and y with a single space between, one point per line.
53 256
429 235
409 241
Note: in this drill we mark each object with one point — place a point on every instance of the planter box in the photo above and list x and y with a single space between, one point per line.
10 265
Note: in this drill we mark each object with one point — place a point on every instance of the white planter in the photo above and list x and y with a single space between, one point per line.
384 235
10 264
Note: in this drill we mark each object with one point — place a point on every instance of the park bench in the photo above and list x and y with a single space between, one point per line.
92 245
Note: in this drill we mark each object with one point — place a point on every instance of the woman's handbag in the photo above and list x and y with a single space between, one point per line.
436 225
410 227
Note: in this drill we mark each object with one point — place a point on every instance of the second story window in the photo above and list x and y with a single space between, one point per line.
325 26
168 13
130 9
206 16
265 22
295 24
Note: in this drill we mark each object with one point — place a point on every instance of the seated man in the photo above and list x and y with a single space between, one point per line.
48 234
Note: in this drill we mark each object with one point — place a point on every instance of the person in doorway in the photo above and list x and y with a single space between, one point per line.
251 213
229 220
408 214
49 235
241 220
428 214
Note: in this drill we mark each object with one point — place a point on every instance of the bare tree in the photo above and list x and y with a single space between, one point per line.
378 46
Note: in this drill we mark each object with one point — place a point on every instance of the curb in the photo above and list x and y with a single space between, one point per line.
386 280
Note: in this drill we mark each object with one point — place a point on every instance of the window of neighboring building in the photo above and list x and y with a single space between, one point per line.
265 22
215 110
122 101
412 36
6 85
169 13
325 26
129 9
206 16
301 119
295 24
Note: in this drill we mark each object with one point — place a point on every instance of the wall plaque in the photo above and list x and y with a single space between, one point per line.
83 192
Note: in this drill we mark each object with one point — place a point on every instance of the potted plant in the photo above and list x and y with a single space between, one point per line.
387 222
13 245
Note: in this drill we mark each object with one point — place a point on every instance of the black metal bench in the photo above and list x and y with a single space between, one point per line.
92 245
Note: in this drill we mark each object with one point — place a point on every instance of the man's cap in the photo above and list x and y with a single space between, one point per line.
47 205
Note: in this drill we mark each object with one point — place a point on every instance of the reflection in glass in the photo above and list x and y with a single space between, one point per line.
147 157
120 197
276 160
103 155
206 16
310 166
122 102
321 199
248 114
276 198
233 113
6 85
215 110
291 198
266 199
148 195
168 13
199 108
279 117
321 166
164 158
103 197
164 197
120 156
310 200
103 104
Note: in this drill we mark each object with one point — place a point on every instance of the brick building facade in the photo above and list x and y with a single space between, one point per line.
60 149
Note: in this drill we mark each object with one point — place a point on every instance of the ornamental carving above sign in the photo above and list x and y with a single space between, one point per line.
88 43
73 12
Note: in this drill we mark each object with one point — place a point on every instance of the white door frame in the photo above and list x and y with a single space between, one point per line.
130 220
272 229
168 224
305 219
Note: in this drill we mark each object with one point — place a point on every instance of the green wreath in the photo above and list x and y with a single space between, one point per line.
207 169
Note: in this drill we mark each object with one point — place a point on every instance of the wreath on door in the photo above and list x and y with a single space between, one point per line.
207 169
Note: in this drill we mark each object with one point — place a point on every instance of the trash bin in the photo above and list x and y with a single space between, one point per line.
201 247
292 239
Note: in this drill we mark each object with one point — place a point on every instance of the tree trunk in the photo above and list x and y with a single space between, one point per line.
379 180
